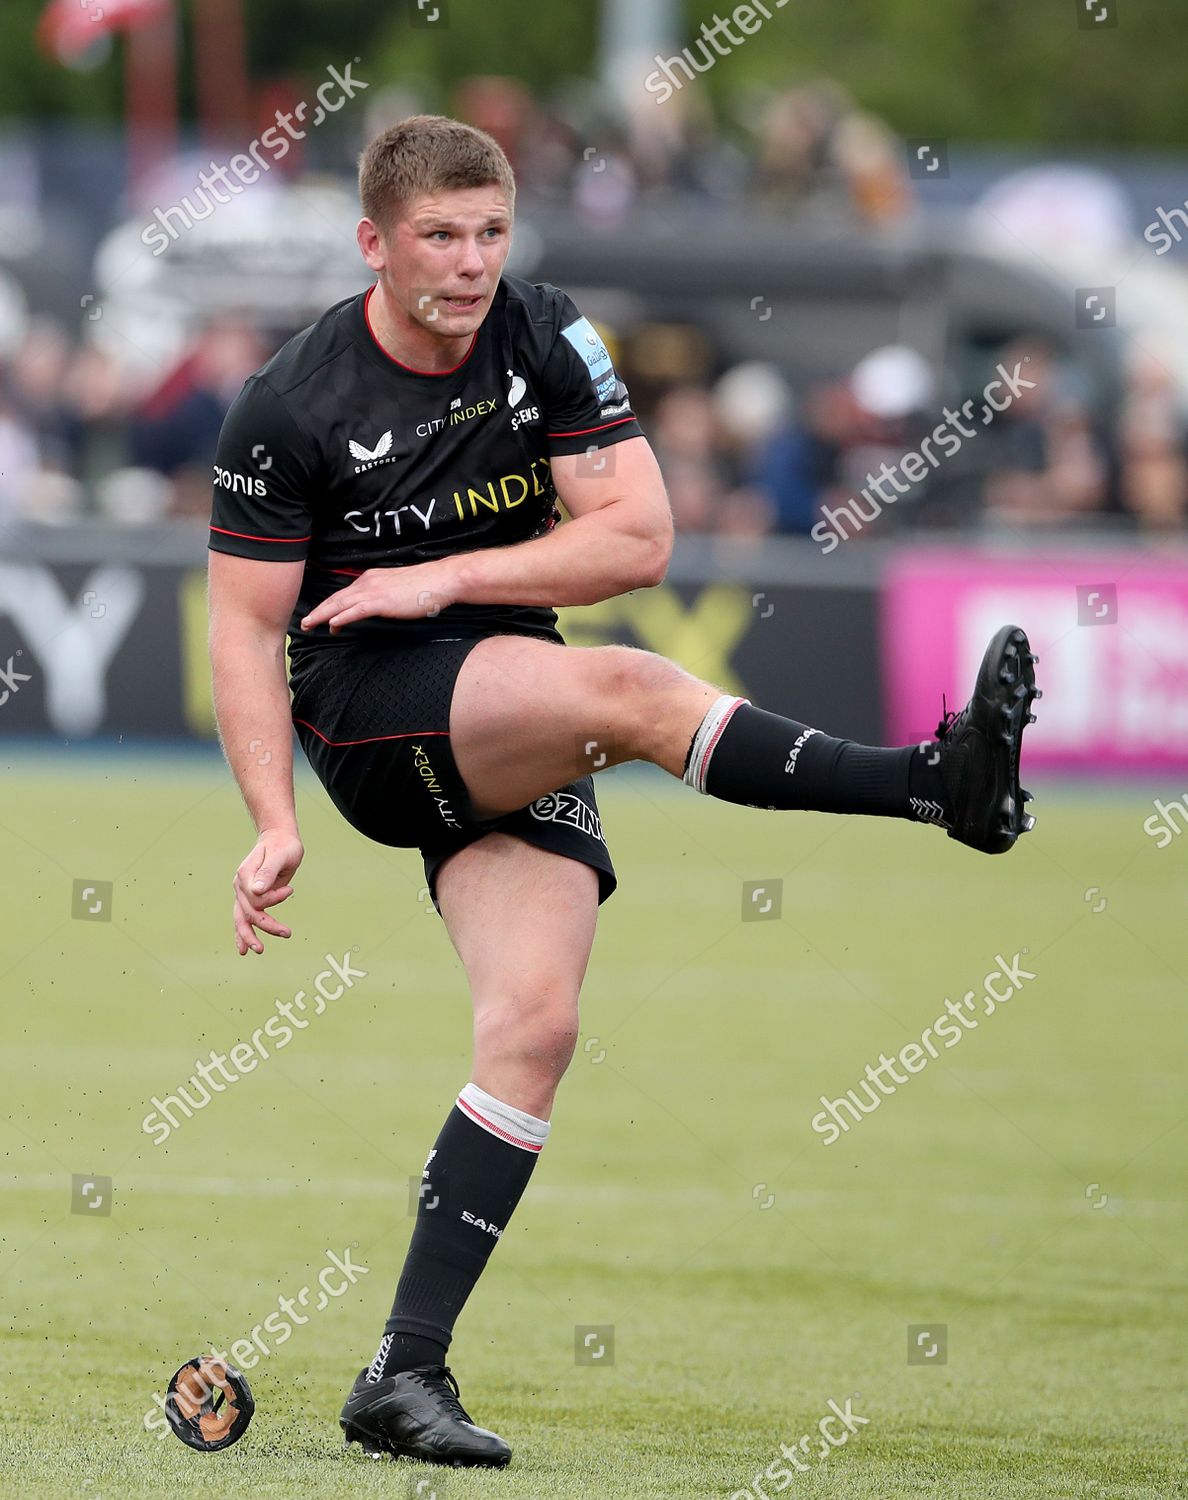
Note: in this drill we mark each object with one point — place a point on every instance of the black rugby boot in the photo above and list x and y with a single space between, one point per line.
418 1414
979 748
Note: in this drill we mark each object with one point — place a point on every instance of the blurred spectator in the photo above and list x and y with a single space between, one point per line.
1153 442
39 431
176 430
816 151
696 159
874 418
777 463
19 461
98 393
683 435
793 155
605 184
870 161
1049 464
36 385
540 149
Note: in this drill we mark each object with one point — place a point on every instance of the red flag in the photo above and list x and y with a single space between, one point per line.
68 27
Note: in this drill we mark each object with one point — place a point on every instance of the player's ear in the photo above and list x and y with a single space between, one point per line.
371 244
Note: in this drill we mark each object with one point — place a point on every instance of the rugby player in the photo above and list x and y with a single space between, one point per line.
387 490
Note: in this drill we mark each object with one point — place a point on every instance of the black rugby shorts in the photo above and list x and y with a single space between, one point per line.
373 717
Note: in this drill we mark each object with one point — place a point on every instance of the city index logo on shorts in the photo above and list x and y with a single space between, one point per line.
429 776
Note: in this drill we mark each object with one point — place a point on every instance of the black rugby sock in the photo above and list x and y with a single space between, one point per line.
476 1174
746 755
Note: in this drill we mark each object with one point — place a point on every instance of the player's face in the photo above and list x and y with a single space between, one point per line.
445 256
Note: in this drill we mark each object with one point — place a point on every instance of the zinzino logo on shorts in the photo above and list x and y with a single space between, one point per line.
565 807
240 484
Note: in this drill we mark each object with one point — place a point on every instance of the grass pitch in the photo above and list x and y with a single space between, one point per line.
1020 1200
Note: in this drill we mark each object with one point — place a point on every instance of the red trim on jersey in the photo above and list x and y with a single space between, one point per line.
582 431
347 572
413 734
495 1129
410 368
249 537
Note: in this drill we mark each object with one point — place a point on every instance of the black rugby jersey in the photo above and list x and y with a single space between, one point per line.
336 453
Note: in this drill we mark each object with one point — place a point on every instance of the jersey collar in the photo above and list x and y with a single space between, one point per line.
370 341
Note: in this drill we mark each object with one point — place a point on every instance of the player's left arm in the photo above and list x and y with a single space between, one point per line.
619 538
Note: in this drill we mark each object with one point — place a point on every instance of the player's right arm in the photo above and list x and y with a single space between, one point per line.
250 605
266 471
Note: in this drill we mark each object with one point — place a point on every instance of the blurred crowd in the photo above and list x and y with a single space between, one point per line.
808 149
79 435
743 454
85 433
741 451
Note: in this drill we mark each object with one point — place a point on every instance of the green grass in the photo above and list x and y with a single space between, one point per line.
964 1200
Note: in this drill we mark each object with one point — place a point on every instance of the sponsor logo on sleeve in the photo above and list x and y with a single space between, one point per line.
240 484
587 343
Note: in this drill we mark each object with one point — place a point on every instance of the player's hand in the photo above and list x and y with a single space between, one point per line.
416 592
262 881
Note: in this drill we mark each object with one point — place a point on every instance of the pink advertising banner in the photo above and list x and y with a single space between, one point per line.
1110 627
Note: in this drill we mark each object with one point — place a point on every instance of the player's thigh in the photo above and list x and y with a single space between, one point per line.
522 920
528 716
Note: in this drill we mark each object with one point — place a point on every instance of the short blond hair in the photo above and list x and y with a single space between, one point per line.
428 154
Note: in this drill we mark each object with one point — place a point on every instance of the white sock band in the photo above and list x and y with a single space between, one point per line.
513 1125
707 736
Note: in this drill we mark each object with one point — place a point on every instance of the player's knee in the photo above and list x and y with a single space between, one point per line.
634 685
536 1030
